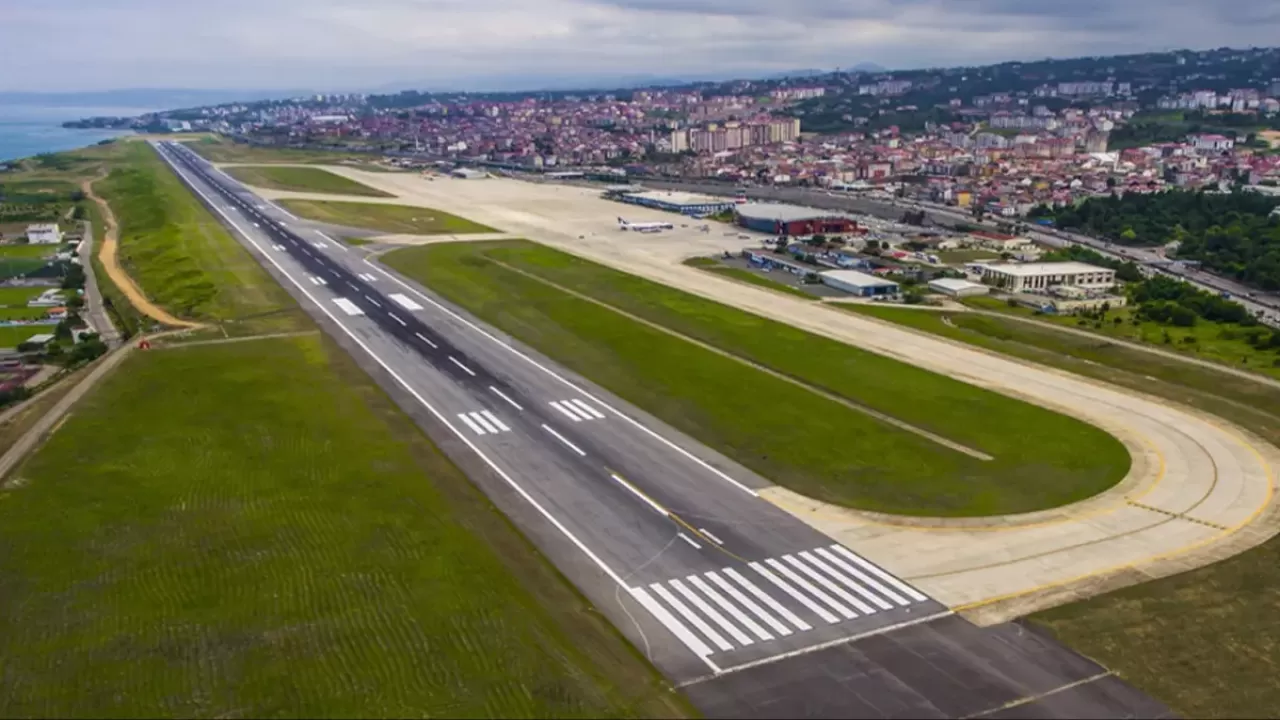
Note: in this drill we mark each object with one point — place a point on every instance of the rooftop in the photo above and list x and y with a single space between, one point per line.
784 212
955 284
675 197
858 279
1049 268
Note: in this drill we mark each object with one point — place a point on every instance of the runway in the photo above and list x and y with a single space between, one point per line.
671 541
1200 489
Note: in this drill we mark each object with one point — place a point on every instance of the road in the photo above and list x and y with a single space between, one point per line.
728 595
95 310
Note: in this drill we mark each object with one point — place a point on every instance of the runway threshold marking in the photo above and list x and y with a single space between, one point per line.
726 599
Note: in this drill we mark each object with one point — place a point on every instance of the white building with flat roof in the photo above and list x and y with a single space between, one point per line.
858 283
955 287
44 234
1039 277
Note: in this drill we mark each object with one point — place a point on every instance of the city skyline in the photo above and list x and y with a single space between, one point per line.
335 45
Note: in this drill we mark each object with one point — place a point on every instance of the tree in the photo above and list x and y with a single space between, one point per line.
1182 316
74 278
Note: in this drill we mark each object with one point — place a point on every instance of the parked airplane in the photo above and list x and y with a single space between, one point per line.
644 227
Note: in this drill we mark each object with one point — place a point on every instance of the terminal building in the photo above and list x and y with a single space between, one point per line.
675 201
782 219
1039 277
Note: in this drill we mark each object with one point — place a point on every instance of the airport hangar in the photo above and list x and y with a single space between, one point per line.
793 220
675 201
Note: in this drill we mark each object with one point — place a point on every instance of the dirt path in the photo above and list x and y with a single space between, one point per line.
110 262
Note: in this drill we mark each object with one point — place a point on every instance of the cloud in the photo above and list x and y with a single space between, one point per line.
362 44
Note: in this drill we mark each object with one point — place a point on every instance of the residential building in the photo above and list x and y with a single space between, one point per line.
44 234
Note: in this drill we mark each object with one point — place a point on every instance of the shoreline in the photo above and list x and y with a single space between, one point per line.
66 140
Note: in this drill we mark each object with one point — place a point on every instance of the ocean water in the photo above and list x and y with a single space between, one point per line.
27 130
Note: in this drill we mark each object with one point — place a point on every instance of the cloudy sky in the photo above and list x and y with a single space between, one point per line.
367 44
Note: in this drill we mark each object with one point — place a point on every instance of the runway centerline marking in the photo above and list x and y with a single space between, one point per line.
499 393
564 440
634 491
424 339
465 369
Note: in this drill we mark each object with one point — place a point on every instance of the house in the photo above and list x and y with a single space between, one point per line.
44 234
999 241
1212 143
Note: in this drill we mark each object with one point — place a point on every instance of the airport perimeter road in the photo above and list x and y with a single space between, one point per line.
672 542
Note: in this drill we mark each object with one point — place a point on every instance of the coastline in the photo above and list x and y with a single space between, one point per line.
27 131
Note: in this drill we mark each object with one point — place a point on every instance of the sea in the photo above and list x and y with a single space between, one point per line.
27 130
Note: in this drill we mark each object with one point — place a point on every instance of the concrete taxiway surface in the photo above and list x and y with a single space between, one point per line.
1200 489
720 588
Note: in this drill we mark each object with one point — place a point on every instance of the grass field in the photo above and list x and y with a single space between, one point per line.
712 265
795 437
383 217
19 296
28 251
182 258
255 530
220 150
22 313
1205 642
301 179
1220 342
356 241
13 335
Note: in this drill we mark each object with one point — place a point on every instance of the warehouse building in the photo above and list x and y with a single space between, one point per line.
958 288
858 283
782 219
1039 277
679 202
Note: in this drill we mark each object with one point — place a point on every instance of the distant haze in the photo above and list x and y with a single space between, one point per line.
343 45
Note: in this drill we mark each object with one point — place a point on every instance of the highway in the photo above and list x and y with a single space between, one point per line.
747 608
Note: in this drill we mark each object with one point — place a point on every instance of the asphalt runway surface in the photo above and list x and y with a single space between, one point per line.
750 610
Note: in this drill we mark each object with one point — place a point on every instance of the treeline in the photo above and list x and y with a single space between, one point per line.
1173 302
1234 234
1158 218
